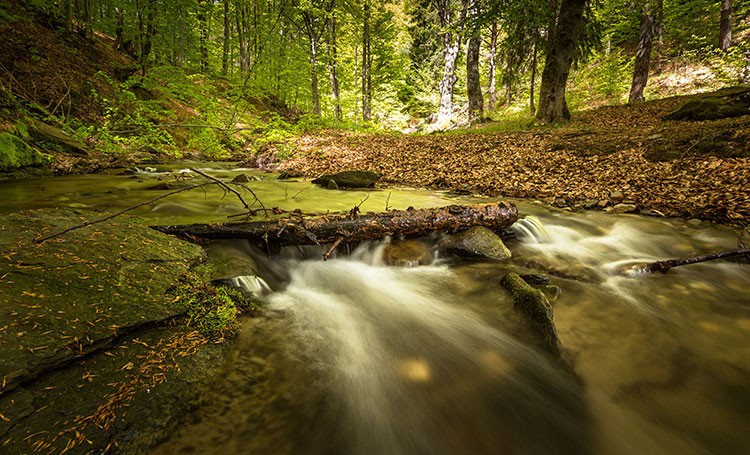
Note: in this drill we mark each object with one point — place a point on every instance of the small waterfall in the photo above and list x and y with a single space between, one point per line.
531 229
405 369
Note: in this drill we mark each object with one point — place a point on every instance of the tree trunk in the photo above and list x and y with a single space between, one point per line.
202 17
473 86
366 109
225 48
725 25
451 48
492 89
552 105
643 54
329 229
333 71
532 107
312 37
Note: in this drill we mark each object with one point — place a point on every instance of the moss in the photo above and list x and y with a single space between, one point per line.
211 310
15 153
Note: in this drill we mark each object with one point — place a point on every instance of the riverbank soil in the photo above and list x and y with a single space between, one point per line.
623 158
90 354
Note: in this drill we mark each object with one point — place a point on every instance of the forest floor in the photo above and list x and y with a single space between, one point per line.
624 158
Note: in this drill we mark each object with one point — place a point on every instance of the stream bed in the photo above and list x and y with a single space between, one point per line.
354 356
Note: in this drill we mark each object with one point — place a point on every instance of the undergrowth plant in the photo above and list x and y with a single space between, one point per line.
211 310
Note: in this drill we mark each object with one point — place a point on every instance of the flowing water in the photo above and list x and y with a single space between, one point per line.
352 356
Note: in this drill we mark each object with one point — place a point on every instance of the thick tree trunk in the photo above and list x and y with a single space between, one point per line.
725 25
329 229
451 48
643 54
562 49
473 86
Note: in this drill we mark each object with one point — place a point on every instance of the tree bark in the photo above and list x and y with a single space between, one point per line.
366 102
643 54
725 25
552 105
473 86
492 89
333 70
225 47
202 17
328 229
451 47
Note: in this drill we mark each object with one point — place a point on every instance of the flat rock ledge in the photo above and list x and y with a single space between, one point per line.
86 340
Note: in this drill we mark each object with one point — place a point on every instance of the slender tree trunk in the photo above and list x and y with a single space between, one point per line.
473 86
492 89
225 48
202 17
532 107
69 14
333 71
643 54
725 25
366 109
552 105
314 76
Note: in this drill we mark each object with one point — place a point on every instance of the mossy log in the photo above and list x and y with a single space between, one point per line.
536 309
370 226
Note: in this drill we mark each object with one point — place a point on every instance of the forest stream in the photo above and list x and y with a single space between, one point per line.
355 356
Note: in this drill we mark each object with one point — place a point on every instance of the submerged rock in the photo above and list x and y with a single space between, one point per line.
478 241
407 253
348 179
536 309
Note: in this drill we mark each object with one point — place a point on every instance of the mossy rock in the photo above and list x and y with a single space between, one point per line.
536 309
16 154
725 103
53 138
477 241
348 179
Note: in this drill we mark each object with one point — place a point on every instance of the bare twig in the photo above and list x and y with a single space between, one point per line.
121 212
333 247
665 266
387 200
224 186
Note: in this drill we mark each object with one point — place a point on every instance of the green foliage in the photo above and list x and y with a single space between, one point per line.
211 310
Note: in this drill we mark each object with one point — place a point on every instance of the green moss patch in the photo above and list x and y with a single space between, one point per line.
15 154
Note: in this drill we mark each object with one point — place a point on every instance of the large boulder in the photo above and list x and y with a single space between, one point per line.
477 241
348 179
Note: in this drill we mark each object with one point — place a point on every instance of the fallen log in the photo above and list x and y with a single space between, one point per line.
355 227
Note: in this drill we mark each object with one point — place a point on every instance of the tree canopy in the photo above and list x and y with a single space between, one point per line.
391 60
